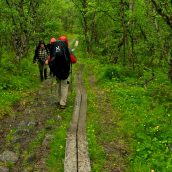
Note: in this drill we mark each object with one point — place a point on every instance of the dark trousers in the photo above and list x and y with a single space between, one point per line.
43 71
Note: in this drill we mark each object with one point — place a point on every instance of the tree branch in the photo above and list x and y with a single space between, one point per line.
167 19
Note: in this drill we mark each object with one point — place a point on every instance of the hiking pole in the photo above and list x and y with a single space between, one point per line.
71 79
51 85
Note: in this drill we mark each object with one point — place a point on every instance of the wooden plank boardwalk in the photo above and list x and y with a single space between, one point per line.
76 154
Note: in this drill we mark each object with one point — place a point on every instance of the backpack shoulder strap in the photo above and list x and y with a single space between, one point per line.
66 52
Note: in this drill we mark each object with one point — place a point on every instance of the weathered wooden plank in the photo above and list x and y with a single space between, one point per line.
76 155
70 163
83 158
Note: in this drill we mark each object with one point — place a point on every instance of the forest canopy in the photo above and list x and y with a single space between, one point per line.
133 33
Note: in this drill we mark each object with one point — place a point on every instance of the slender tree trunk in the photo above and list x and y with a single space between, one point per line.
85 24
159 10
170 70
23 24
93 37
131 7
117 50
124 30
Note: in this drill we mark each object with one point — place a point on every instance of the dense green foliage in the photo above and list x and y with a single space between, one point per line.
146 121
16 81
131 40
143 119
133 33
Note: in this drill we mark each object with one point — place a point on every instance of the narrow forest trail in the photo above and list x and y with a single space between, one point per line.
25 137
29 124
107 129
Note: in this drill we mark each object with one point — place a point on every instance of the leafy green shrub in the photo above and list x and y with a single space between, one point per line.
112 72
16 78
118 73
145 119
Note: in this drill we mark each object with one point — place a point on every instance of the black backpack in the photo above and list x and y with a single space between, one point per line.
60 60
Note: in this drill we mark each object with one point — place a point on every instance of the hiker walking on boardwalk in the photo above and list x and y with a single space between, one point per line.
61 58
41 56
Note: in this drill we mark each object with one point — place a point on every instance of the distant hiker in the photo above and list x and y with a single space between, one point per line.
41 56
61 58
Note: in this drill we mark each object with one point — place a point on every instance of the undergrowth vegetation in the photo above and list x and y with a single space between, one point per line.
145 107
15 81
55 159
141 98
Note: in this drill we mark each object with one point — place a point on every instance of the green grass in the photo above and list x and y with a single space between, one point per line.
57 149
145 115
146 120
16 80
96 152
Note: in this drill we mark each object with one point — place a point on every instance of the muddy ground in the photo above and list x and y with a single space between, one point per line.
25 136
29 124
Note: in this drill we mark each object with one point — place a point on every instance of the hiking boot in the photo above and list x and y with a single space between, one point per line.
45 74
62 106
41 76
57 104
